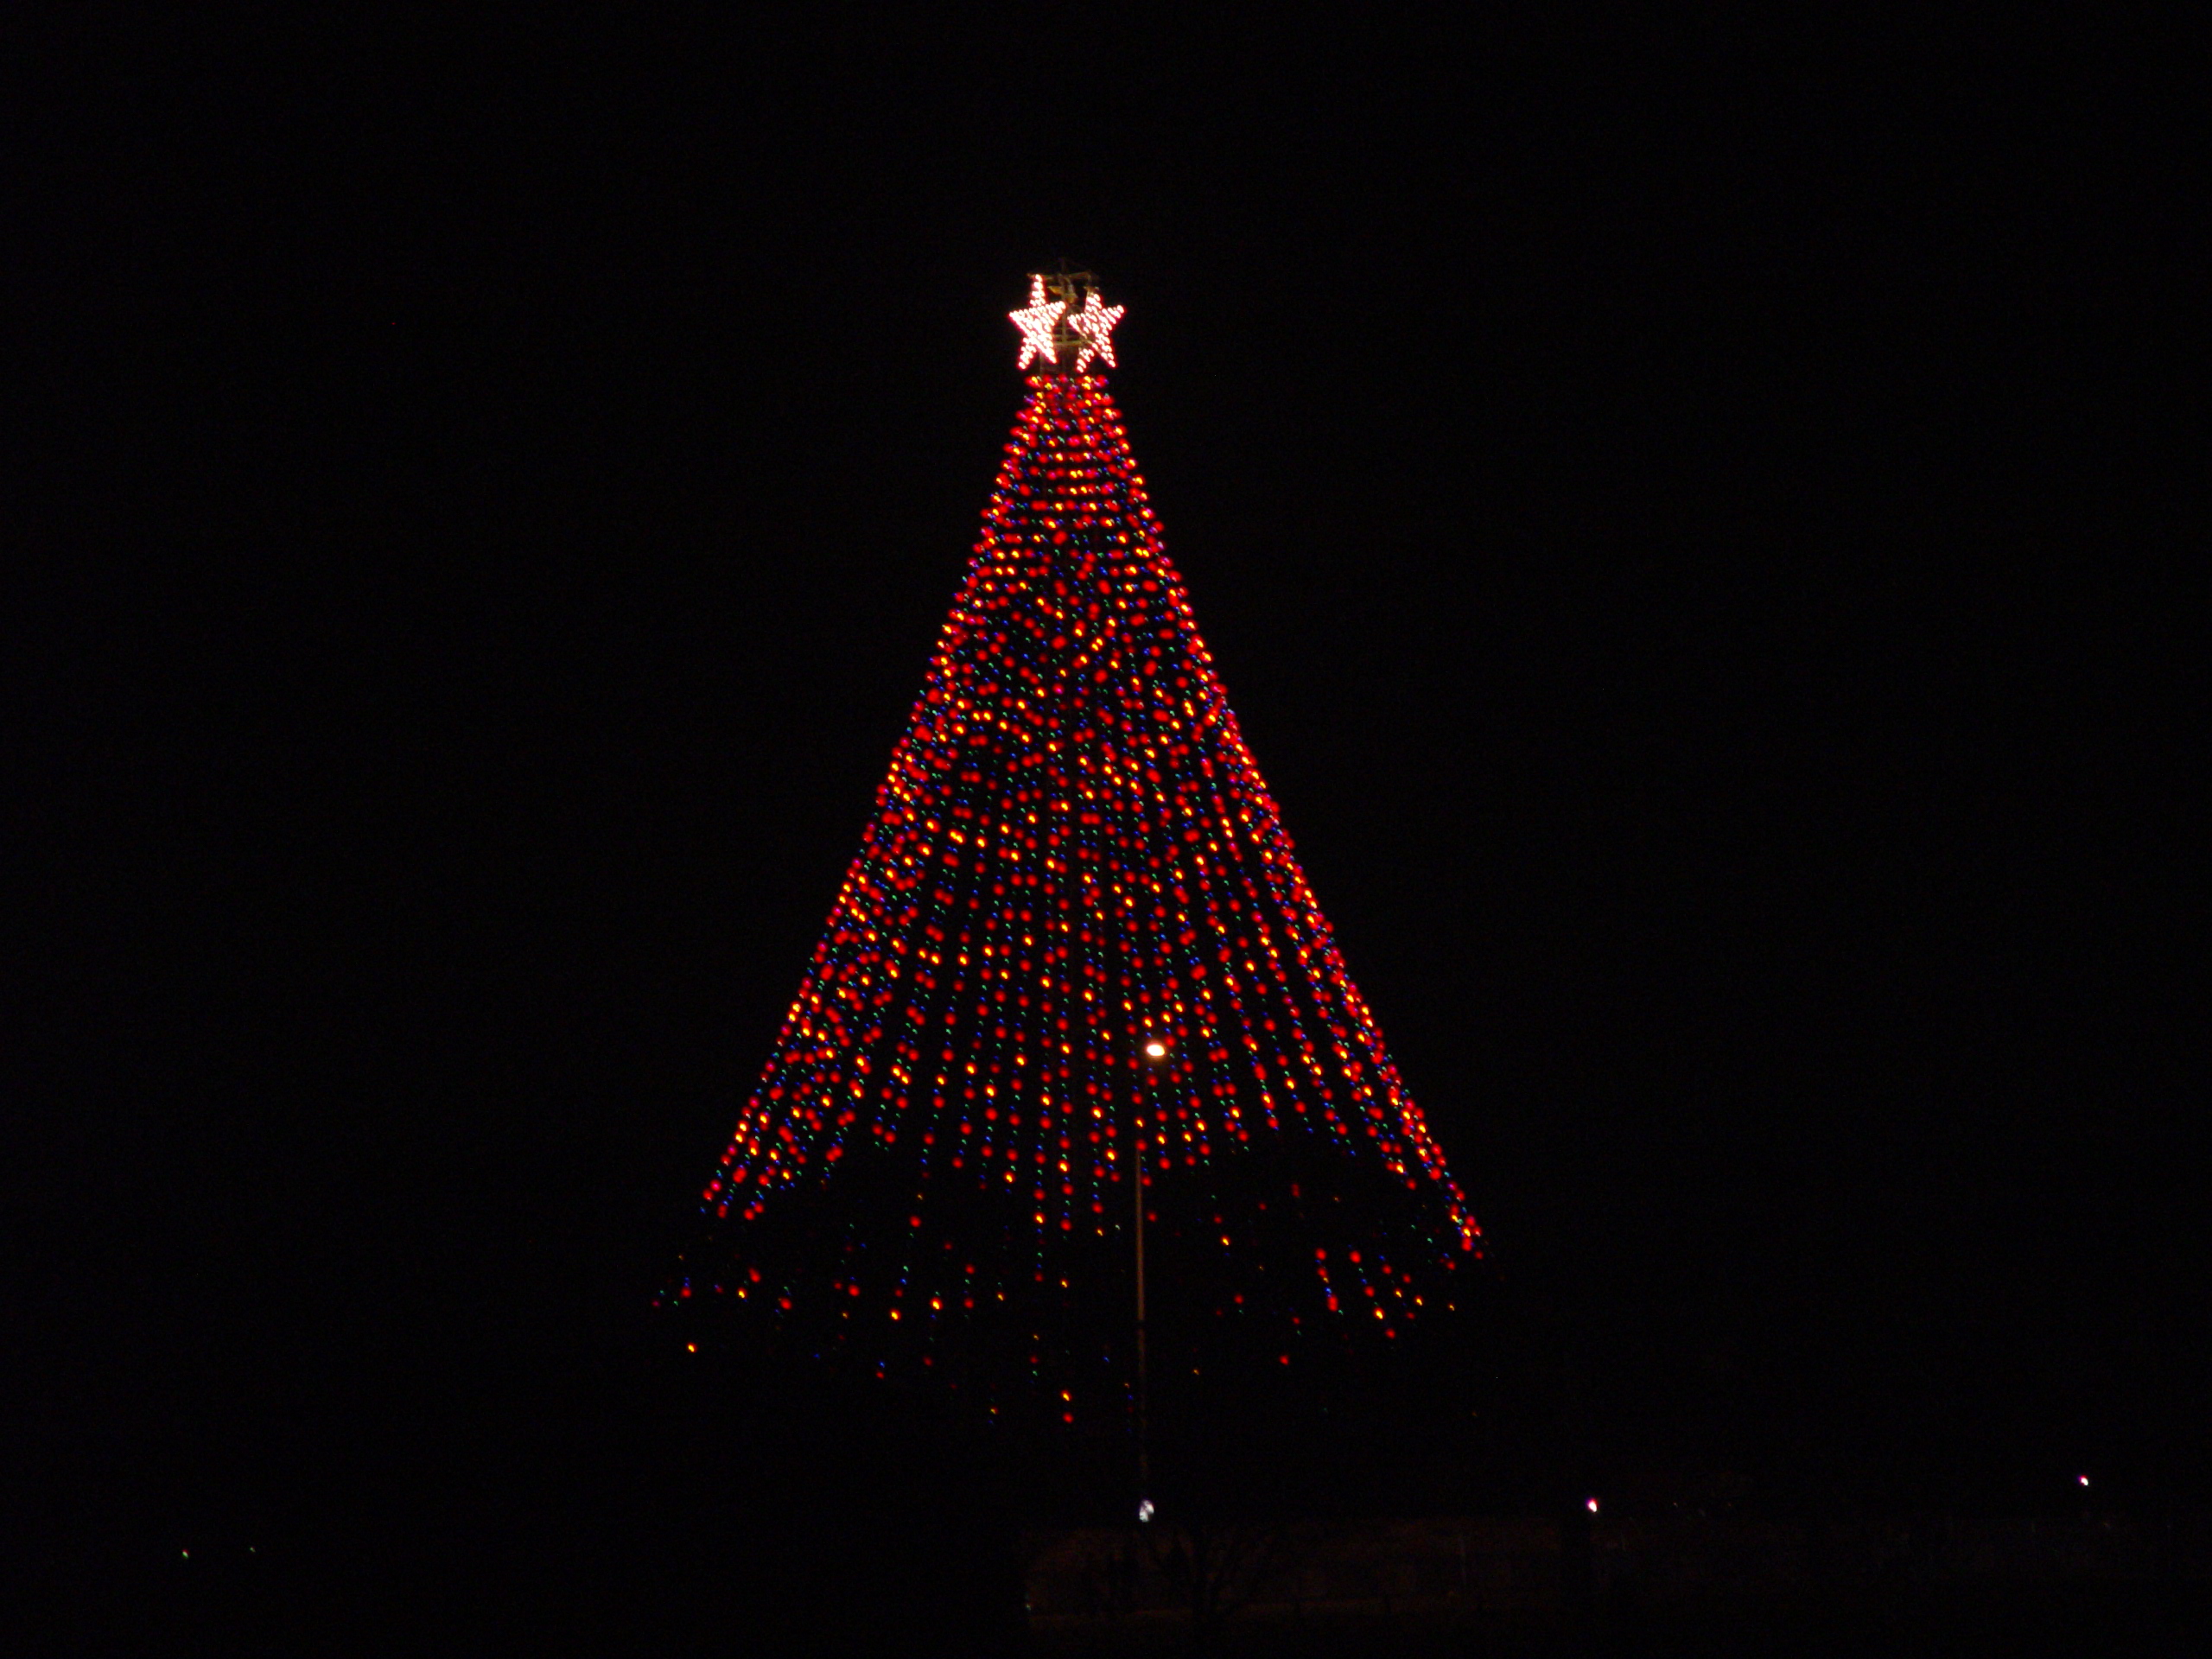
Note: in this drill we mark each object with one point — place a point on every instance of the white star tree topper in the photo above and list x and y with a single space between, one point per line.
1037 322
1095 324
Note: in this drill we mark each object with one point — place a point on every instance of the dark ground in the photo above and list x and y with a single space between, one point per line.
2006 1625
1691 523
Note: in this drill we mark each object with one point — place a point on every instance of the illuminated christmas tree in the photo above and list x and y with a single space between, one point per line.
1075 943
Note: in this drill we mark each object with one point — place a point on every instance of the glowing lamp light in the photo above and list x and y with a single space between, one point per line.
1155 1051
2082 1479
1591 1504
1144 1509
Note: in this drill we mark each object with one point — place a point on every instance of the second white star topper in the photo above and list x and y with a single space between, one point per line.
1094 325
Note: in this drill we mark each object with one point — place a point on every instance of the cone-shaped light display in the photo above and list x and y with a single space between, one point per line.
1074 944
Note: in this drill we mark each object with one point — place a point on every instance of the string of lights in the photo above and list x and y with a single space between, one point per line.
1075 948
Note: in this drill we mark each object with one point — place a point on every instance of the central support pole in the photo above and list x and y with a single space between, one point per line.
1154 1051
1144 1447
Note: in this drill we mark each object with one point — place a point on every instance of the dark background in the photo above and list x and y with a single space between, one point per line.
1684 516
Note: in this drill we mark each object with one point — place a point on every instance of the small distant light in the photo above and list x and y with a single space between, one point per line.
1591 1504
1144 1509
2083 1479
1155 1050
693 1346
186 1554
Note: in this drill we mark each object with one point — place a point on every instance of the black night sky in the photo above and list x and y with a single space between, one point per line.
1684 519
